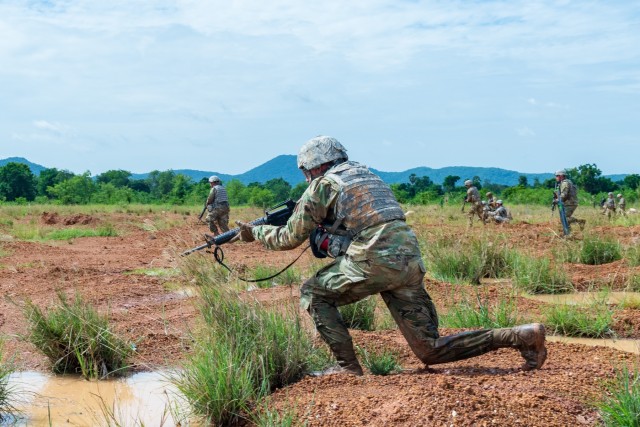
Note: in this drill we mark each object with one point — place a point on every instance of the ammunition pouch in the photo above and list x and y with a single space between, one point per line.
324 244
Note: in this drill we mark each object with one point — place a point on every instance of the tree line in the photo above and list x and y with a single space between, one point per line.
18 184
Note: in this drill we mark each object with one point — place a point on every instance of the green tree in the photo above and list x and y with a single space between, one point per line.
119 178
298 190
237 193
161 184
49 178
632 181
523 181
77 190
449 183
279 187
17 181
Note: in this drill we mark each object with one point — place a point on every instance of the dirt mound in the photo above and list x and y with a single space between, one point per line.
52 218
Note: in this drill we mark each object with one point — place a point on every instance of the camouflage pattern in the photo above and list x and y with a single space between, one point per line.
476 208
622 206
384 258
568 194
217 209
609 207
320 150
500 215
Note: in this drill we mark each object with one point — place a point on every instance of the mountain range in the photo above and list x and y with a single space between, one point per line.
285 167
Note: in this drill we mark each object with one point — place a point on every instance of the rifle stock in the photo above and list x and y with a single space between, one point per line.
277 215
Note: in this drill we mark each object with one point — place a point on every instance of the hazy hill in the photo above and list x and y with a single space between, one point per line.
285 167
35 168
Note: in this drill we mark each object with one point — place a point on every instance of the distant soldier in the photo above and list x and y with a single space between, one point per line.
217 206
622 205
567 193
473 197
491 201
500 215
609 206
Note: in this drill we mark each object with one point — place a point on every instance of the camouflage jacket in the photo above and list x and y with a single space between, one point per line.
568 193
473 196
389 244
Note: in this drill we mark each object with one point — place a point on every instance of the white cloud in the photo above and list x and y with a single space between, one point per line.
525 131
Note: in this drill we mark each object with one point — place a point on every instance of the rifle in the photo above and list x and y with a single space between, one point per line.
464 202
202 213
563 216
277 215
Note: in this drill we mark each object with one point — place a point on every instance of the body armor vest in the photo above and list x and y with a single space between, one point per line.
364 200
221 196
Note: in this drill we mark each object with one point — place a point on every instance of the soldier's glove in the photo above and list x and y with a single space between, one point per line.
245 234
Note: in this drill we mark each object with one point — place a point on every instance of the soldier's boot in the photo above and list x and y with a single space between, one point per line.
529 339
347 362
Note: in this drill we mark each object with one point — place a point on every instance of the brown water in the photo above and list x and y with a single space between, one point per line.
626 345
142 399
586 298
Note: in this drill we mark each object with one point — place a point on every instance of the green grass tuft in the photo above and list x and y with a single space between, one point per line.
620 405
77 339
360 314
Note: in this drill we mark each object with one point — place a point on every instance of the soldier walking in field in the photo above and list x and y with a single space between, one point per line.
473 197
622 205
609 206
568 195
349 214
217 206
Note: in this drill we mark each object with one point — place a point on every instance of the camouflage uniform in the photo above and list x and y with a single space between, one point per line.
476 208
500 215
383 257
568 194
218 209
622 205
609 207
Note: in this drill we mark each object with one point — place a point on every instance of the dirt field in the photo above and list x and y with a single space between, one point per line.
116 275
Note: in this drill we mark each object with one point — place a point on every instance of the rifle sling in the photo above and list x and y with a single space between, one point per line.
218 254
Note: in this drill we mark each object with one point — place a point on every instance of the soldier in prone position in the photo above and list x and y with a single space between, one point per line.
351 215
217 206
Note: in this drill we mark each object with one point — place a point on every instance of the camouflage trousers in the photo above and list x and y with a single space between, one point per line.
218 217
609 212
345 281
568 212
476 209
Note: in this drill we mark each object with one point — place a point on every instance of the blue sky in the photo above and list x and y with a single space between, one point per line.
227 85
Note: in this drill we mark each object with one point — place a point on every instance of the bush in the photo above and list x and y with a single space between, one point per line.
76 339
594 321
596 251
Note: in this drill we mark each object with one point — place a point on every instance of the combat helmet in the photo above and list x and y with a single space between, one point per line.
610 194
320 150
214 178
499 202
561 172
619 195
468 182
489 194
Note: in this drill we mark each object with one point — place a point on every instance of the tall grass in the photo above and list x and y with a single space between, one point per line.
539 275
7 410
466 262
379 362
482 314
592 321
76 338
360 314
243 352
620 405
597 250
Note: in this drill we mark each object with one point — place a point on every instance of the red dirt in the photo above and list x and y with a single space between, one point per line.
487 390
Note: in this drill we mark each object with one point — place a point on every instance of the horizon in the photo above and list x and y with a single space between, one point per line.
212 85
263 163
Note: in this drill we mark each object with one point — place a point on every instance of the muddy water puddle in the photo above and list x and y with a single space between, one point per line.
586 298
626 345
146 398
